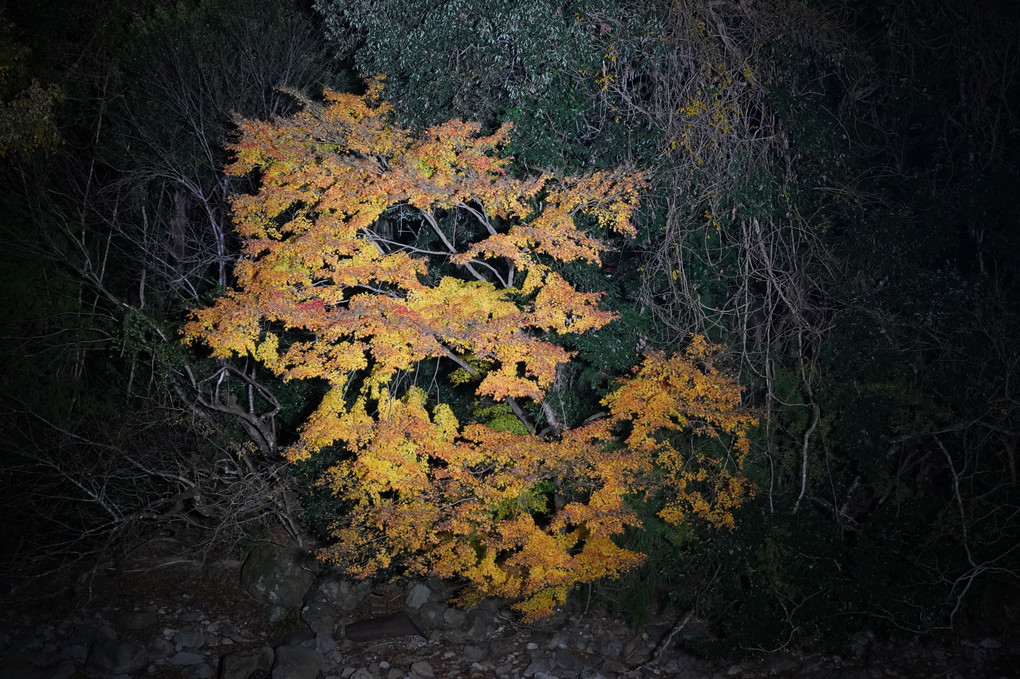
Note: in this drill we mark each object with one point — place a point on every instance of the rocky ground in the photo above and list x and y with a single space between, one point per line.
281 615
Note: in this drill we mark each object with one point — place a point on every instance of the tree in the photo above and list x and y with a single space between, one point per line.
379 260
532 63
107 237
186 69
26 108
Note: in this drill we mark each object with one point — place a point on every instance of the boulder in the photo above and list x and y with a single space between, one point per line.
200 671
324 644
568 661
609 646
343 594
242 665
186 658
64 669
275 575
422 669
318 615
193 638
418 594
362 673
296 662
537 666
434 615
110 657
275 614
136 620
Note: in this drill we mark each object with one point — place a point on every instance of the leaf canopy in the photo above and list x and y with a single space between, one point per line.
369 250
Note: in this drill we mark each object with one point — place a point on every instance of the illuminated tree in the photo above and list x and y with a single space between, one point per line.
370 252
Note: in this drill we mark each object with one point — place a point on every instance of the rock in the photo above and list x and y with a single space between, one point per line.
318 615
322 644
296 662
77 645
455 636
613 667
302 637
200 671
361 673
63 670
862 643
685 660
343 594
135 620
778 663
190 639
567 660
478 627
812 663
609 646
431 614
186 658
238 665
275 614
35 643
453 618
160 648
688 674
22 663
538 666
657 632
110 657
474 652
502 647
423 669
558 620
27 672
274 576
418 594
551 639
859 673
75 651
241 665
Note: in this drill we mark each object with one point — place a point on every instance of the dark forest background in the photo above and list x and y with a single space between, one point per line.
833 200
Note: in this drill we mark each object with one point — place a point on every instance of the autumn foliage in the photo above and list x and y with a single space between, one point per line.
370 252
